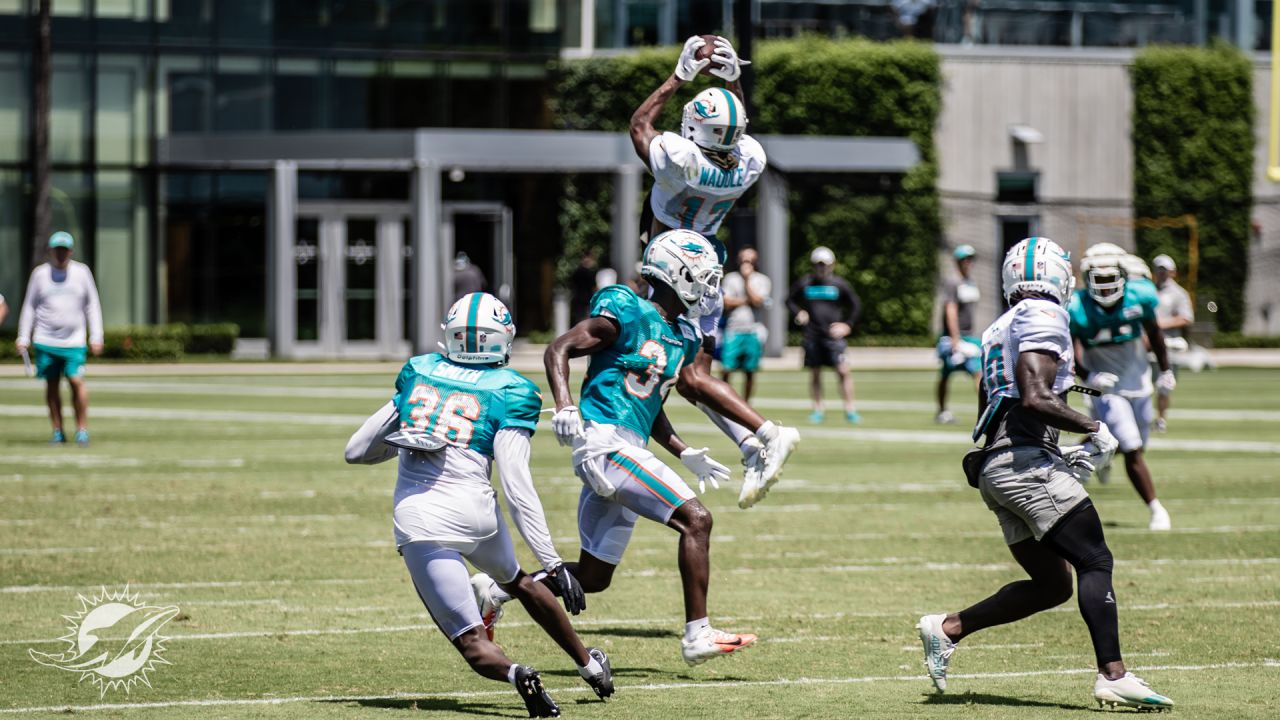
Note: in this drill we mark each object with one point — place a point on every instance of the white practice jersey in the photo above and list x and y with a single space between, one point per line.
1031 325
691 192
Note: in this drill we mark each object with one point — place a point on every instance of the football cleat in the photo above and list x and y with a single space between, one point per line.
601 682
945 418
852 417
1160 520
817 416
753 462
57 438
776 452
1161 425
82 438
712 643
1129 691
937 649
536 700
490 608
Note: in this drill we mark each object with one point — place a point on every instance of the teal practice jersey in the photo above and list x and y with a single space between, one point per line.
1095 325
627 383
465 405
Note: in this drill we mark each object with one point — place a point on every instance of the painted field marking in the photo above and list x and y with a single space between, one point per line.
577 689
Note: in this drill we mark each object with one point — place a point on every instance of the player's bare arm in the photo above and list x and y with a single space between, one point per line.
1155 337
642 130
696 384
586 338
665 435
1035 374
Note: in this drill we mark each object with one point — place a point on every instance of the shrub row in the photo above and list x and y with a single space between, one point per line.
156 342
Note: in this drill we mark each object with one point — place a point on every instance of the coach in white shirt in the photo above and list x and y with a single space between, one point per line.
61 299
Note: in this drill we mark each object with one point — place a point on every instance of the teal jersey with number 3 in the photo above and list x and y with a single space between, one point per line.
627 382
466 405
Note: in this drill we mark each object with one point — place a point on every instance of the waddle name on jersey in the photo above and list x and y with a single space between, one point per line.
715 177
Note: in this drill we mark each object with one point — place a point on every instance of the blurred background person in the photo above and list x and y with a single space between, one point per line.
467 278
1174 314
958 347
746 295
825 305
582 286
61 297
4 310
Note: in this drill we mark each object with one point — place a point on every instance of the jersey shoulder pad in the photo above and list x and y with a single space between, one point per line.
416 365
752 150
523 401
1141 291
1040 325
618 302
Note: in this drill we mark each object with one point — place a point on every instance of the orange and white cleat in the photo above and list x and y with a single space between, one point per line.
712 643
490 609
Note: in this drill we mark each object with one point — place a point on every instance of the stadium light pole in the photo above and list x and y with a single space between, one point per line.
40 136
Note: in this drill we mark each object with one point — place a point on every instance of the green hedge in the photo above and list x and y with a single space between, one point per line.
156 342
884 230
1193 153
1237 340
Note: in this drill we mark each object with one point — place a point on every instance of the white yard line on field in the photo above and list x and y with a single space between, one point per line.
578 689
913 437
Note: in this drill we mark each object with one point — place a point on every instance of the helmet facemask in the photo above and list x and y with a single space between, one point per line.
1106 284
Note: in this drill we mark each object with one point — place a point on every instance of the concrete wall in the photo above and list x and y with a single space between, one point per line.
1080 100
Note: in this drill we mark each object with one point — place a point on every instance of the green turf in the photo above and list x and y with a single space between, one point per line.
227 497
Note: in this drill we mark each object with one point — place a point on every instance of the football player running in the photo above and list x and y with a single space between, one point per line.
698 176
1108 318
464 409
639 348
1030 483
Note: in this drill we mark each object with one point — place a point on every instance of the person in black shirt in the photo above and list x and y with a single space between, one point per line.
826 307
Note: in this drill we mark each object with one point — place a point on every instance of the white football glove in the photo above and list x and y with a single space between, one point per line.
1166 382
1102 381
567 425
688 66
704 467
726 58
958 359
1079 461
1103 444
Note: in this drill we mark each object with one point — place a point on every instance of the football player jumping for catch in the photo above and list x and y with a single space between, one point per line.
698 176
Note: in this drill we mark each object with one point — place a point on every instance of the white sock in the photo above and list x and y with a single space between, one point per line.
1155 506
691 629
590 669
738 433
767 432
511 675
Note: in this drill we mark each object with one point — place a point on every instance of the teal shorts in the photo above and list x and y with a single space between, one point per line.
51 362
972 362
742 351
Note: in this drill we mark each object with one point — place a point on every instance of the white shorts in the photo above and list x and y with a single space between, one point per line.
645 487
1030 490
1129 419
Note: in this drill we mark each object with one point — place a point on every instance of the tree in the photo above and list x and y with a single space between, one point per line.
40 137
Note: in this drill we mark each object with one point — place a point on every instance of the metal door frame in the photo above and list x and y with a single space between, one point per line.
332 217
502 284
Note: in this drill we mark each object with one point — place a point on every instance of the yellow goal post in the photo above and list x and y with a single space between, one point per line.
1187 222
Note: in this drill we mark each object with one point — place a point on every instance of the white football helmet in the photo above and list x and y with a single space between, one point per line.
1135 267
478 330
714 120
1104 273
1038 265
684 261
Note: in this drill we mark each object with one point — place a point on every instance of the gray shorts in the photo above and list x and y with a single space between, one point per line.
1129 419
1030 490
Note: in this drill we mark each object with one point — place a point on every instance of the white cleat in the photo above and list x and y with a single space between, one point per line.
1160 520
1129 691
711 643
937 649
945 418
753 472
490 609
776 452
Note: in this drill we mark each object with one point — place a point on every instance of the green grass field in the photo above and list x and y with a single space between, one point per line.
227 496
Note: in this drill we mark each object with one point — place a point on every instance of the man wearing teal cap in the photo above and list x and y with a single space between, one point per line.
61 299
958 348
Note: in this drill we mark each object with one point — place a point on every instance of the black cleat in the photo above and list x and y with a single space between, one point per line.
536 700
601 682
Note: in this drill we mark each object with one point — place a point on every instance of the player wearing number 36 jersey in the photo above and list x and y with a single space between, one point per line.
464 410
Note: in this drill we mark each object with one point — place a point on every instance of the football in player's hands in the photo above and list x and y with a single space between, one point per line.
705 53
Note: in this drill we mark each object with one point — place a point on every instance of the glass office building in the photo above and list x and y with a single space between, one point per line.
177 243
